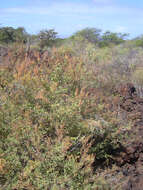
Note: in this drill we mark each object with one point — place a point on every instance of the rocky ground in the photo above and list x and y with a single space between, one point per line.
126 168
131 159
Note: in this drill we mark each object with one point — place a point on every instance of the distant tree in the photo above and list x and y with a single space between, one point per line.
138 41
10 35
47 38
92 35
109 38
20 35
6 35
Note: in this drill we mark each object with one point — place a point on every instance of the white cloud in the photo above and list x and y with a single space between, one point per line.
103 2
68 9
74 16
119 29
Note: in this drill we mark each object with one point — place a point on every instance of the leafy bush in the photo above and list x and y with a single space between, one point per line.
50 101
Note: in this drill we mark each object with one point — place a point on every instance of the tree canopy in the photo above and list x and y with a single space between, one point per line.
47 37
95 36
112 38
92 35
10 35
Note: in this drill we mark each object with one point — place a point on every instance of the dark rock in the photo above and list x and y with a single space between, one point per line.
131 159
135 183
126 90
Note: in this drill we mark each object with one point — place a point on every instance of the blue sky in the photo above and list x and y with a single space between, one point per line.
69 16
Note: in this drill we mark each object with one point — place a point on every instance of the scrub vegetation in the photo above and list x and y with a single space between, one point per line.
61 123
